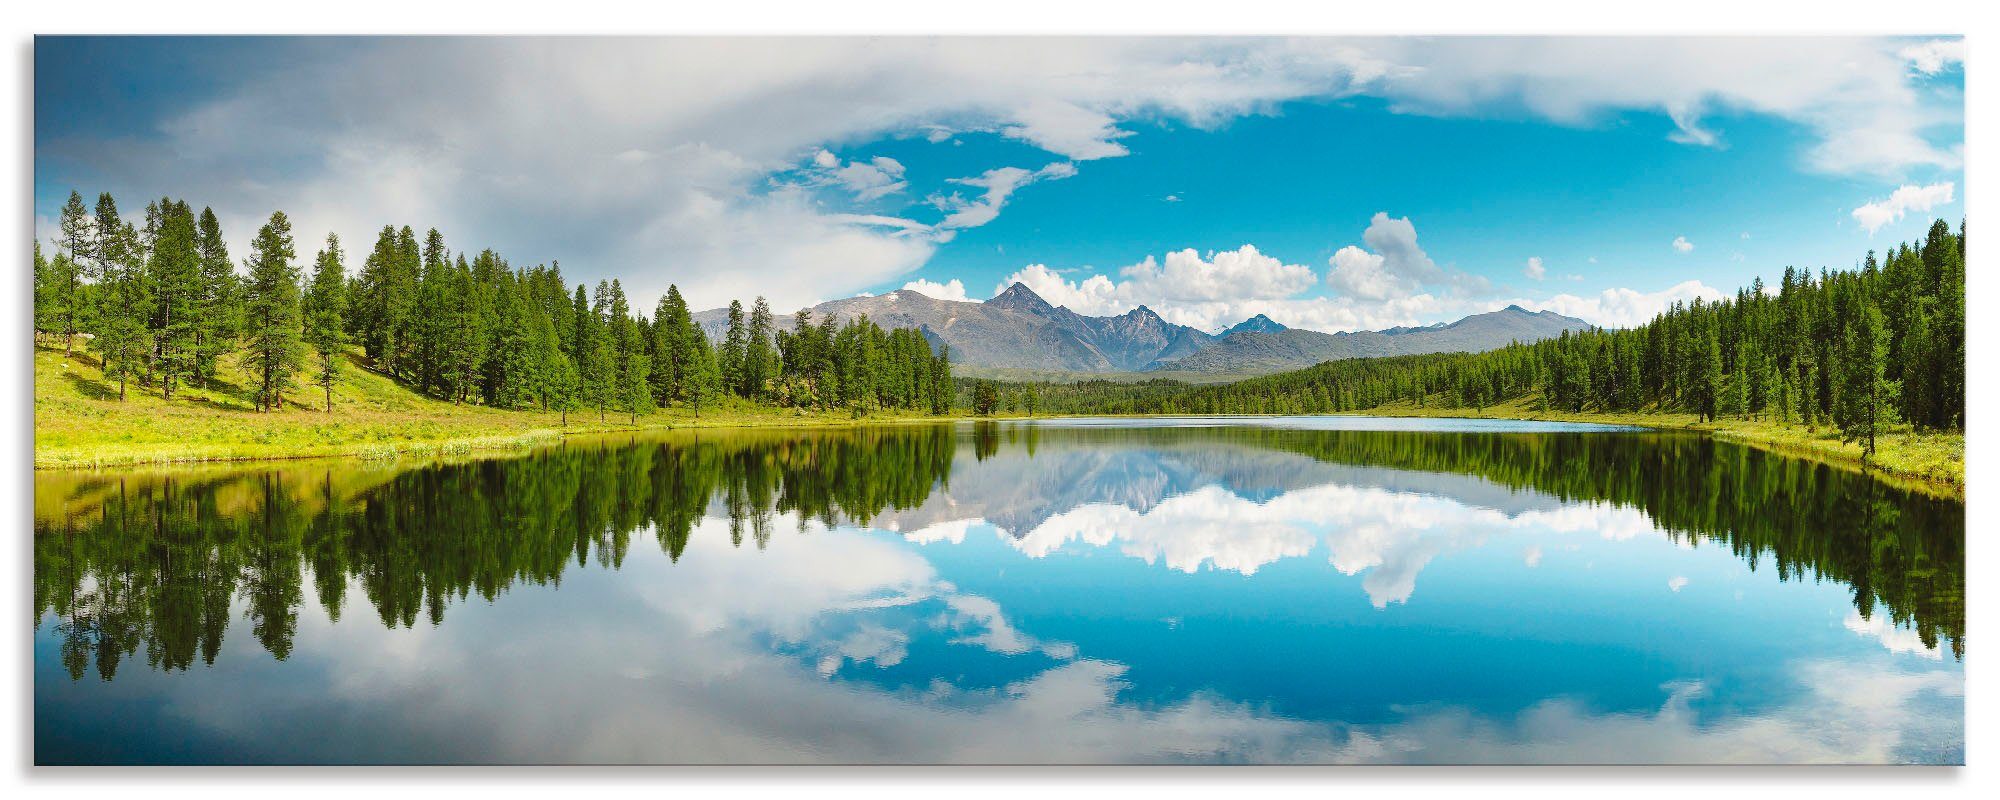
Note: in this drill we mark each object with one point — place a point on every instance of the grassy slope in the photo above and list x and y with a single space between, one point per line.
80 422
1933 462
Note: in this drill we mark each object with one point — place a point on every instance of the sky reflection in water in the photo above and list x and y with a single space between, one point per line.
994 594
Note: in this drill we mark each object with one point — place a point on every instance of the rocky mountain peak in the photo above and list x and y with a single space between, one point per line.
1021 298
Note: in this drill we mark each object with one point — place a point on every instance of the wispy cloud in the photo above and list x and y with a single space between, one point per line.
1909 198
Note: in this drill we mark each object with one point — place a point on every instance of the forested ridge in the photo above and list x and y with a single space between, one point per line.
1859 350
160 304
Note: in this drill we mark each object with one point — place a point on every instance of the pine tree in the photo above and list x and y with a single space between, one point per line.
703 378
1779 394
118 265
325 308
548 363
465 348
271 313
1866 404
1711 387
734 342
407 339
673 342
759 357
985 398
629 363
437 325
217 309
941 389
385 300
595 365
67 304
77 236
563 388
518 348
41 291
634 392
174 275
1919 368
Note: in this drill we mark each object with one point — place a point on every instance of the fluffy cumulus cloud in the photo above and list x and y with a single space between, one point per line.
1389 281
1907 199
1184 286
953 289
1621 308
1682 245
1535 270
1935 56
522 145
1397 266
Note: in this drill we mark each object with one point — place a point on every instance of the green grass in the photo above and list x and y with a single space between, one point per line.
1931 462
81 423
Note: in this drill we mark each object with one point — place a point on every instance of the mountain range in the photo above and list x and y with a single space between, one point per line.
1018 330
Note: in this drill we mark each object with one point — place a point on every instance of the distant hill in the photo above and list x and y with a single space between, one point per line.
1018 332
1255 351
1256 324
1015 330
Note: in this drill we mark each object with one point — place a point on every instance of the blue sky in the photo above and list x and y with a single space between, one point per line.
1332 184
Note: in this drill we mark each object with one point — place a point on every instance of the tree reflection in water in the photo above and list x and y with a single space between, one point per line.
155 561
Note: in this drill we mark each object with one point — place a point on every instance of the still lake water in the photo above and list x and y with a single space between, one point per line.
1307 590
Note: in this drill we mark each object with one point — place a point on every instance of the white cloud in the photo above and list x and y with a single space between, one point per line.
1395 284
1855 97
1932 57
868 180
1906 199
953 289
1620 308
1896 639
1376 289
1397 267
1389 535
1677 583
1184 286
1534 270
996 186
522 145
1682 245
1172 198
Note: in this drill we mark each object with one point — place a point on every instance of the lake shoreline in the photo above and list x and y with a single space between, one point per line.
1891 463
1932 462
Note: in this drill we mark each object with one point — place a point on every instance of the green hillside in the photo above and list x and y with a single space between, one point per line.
80 422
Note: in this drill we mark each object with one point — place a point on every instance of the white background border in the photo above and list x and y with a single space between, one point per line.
1914 17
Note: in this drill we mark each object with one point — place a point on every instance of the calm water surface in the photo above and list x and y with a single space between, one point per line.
1305 590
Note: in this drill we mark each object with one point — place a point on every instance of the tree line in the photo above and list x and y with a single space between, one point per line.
1859 350
161 305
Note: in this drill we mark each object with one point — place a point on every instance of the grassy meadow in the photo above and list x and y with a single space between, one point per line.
81 423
